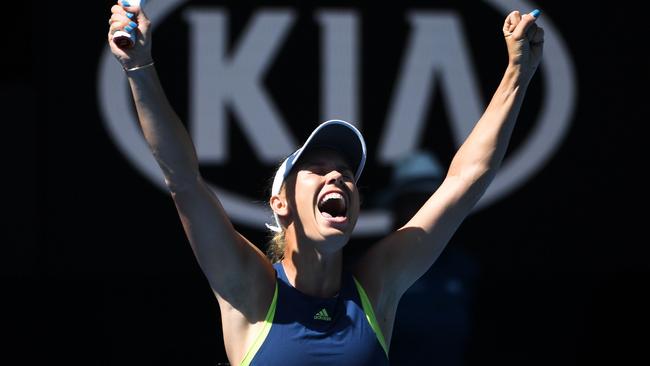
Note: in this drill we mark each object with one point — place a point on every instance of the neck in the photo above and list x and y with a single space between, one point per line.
312 272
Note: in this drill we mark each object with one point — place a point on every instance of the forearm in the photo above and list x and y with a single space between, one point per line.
164 132
481 154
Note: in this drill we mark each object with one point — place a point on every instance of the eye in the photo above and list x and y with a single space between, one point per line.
319 170
315 169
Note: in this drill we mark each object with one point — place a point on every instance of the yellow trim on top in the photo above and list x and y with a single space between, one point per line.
370 315
268 321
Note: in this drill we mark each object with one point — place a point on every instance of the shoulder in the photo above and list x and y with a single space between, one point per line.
243 325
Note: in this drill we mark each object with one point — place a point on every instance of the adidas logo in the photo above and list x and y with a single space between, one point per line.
322 315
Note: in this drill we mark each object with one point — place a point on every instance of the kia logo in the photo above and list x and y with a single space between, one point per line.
435 54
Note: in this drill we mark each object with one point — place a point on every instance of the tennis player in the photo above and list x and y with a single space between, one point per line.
303 307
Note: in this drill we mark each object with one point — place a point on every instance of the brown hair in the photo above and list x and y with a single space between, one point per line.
275 249
276 243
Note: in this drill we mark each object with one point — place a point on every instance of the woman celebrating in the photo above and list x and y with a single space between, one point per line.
306 309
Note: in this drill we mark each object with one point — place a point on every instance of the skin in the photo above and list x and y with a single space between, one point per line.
311 240
241 277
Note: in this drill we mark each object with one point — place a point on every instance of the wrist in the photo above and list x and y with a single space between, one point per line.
514 69
518 74
137 66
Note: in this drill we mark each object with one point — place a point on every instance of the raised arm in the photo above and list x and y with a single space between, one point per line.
237 271
396 262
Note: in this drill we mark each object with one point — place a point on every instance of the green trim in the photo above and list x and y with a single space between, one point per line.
268 321
370 315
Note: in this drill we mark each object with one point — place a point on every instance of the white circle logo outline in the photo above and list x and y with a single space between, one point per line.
549 131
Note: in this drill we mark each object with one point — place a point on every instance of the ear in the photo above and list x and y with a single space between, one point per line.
279 205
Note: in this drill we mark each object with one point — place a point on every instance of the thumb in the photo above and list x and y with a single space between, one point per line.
527 20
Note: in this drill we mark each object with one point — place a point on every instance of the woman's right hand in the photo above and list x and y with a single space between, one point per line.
130 16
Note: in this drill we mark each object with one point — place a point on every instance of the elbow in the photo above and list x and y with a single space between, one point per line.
473 173
473 179
183 183
178 176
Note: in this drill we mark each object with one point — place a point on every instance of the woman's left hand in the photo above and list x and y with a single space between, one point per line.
525 41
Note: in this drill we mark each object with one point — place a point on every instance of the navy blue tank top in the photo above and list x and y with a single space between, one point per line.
306 330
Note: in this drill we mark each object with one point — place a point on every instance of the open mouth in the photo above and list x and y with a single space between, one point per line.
333 205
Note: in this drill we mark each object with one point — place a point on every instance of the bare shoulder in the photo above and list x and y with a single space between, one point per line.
239 274
244 306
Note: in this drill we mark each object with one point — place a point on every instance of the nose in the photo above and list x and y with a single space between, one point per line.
334 177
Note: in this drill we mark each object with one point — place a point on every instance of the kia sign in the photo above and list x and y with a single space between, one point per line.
226 78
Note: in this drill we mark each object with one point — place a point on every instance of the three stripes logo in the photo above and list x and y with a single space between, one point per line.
322 315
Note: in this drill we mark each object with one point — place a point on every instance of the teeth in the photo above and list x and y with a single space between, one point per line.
331 196
332 203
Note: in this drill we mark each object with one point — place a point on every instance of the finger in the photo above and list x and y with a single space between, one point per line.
511 22
516 16
121 15
116 26
527 20
134 12
116 9
122 19
128 6
121 22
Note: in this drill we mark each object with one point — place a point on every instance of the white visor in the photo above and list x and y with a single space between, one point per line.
334 134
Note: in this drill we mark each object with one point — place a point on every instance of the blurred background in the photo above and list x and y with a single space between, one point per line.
551 268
